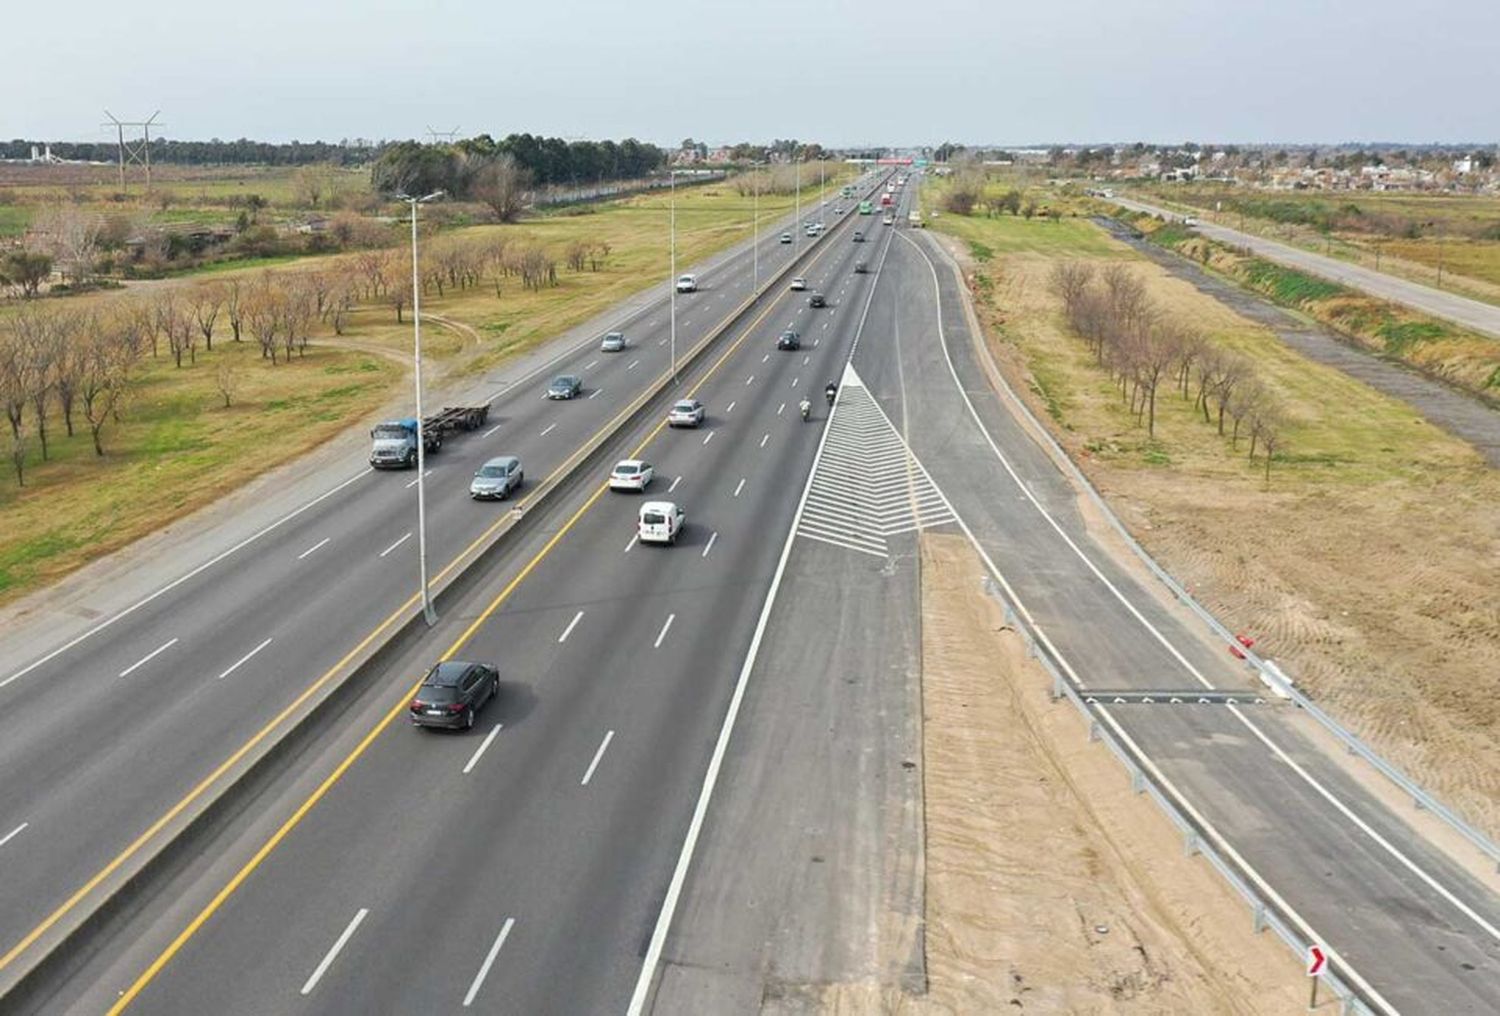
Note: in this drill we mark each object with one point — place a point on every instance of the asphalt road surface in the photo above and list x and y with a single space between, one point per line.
521 865
1483 318
103 733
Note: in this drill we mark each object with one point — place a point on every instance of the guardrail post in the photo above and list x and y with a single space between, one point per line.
1190 844
1093 730
1057 687
1137 780
1258 914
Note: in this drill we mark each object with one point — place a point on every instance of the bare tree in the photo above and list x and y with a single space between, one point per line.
1070 280
227 378
206 302
1242 404
17 382
71 236
1232 373
1157 351
110 346
262 311
577 254
234 291
501 184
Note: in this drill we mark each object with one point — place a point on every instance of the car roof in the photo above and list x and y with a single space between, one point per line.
693 403
665 507
630 462
447 673
565 377
501 460
614 335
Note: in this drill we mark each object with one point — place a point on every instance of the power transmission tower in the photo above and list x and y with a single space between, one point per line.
135 150
451 136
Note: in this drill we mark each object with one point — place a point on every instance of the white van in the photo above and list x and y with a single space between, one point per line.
660 522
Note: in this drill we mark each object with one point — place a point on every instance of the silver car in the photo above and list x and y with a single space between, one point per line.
613 342
685 413
497 478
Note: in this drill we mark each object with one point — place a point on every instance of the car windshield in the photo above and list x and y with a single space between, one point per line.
563 382
438 694
653 518
492 471
390 432
685 407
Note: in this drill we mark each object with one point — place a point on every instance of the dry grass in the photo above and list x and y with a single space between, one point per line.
1367 565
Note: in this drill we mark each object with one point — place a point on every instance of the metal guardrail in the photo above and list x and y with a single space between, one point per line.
1268 672
1264 914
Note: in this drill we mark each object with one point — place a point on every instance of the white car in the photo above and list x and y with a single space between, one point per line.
685 413
799 283
687 284
631 474
660 522
786 238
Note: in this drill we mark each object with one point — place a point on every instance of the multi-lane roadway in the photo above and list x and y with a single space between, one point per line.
106 733
568 854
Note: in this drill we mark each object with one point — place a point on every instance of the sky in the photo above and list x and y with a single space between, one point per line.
840 72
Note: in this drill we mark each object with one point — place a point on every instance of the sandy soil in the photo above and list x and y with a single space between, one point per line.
1379 596
1050 887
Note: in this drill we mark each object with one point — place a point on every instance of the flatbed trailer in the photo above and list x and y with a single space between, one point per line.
450 419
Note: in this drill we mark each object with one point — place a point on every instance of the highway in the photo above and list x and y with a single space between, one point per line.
108 729
567 854
1477 315
499 858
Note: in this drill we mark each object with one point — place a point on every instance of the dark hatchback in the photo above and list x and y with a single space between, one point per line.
817 300
789 340
452 693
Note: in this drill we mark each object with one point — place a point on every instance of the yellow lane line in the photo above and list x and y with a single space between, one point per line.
239 754
260 855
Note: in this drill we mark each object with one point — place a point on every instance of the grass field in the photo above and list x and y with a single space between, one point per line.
178 449
1365 565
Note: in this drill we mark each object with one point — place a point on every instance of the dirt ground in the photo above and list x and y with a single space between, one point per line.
1372 580
1050 887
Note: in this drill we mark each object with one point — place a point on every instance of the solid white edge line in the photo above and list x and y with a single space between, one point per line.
317 546
711 777
479 752
571 625
181 579
153 654
1220 843
243 659
484 968
13 833
398 543
608 737
317 975
664 629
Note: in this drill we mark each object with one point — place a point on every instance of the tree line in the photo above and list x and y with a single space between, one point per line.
356 152
1145 352
80 364
467 167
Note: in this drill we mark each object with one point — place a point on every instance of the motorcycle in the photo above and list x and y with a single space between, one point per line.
829 393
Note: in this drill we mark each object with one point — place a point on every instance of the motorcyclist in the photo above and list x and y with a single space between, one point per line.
806 407
830 391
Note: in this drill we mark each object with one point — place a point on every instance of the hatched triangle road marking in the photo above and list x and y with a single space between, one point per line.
868 485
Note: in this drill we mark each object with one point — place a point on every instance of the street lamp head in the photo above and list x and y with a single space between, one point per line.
403 196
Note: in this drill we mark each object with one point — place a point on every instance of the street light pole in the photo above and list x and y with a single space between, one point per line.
755 240
672 294
428 613
797 226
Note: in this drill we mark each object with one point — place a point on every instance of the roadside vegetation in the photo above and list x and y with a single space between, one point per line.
1463 358
125 410
1406 234
1363 563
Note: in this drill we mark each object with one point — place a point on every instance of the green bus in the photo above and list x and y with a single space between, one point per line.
865 208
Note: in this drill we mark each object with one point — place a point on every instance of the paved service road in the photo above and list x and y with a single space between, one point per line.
1416 928
102 735
1481 317
522 865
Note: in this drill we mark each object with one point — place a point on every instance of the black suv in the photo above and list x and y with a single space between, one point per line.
816 300
859 237
452 693
860 268
789 340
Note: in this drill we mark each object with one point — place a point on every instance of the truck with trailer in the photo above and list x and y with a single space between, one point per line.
394 442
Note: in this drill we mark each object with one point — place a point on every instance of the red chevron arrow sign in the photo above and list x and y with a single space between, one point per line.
1317 961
